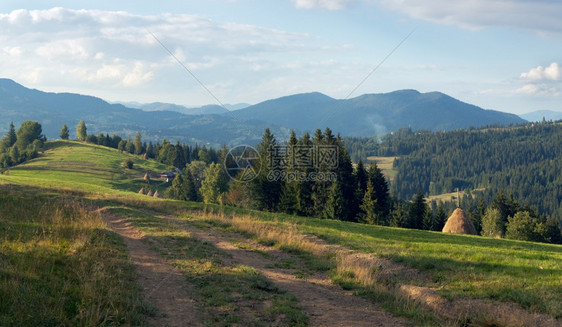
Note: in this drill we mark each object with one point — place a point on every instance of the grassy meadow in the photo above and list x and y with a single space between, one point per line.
61 266
51 242
87 167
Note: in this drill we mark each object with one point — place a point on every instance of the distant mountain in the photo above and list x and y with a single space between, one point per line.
372 114
365 115
540 114
203 110
52 110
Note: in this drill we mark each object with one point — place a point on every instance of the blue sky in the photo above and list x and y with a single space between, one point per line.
498 54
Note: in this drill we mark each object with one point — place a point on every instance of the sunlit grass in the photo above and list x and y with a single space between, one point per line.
60 265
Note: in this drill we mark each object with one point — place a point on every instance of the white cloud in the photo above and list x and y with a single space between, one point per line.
542 16
540 73
107 51
321 4
539 89
541 81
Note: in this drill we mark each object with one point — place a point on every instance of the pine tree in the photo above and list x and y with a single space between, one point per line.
335 206
81 131
64 133
399 216
11 137
440 218
369 212
304 202
362 178
138 144
266 187
380 190
417 212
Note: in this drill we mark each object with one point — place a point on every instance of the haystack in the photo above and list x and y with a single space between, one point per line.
150 193
146 177
141 191
156 194
459 223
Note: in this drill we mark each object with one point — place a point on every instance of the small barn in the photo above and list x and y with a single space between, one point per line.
458 223
168 176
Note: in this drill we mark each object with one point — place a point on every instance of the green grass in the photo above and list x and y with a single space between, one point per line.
59 265
526 273
87 167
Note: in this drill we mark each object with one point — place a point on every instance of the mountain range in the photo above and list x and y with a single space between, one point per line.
539 115
366 115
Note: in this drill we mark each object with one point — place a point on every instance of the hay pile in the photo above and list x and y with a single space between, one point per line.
141 191
459 223
146 177
150 193
156 194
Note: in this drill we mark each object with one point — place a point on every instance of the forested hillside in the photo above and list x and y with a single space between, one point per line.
524 161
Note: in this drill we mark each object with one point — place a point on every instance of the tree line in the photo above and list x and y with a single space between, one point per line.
357 192
22 144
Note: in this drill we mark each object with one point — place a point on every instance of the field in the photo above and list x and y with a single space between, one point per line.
386 165
242 267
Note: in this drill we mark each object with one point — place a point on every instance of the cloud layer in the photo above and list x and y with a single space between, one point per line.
93 49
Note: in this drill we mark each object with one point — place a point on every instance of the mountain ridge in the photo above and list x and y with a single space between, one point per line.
364 115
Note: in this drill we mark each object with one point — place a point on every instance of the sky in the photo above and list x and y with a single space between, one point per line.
498 54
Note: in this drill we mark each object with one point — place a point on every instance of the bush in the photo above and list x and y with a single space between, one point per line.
127 163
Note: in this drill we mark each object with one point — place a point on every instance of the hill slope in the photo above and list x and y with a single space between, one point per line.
372 114
86 167
52 110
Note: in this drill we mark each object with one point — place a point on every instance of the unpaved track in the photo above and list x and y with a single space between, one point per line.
325 304
163 285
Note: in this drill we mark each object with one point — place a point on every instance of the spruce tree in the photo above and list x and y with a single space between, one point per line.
304 202
11 137
335 206
380 189
266 187
417 212
440 218
369 212
64 133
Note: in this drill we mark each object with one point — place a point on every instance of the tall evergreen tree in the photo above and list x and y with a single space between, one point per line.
304 190
399 217
380 191
335 206
81 131
64 133
417 212
440 218
369 213
11 137
266 187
